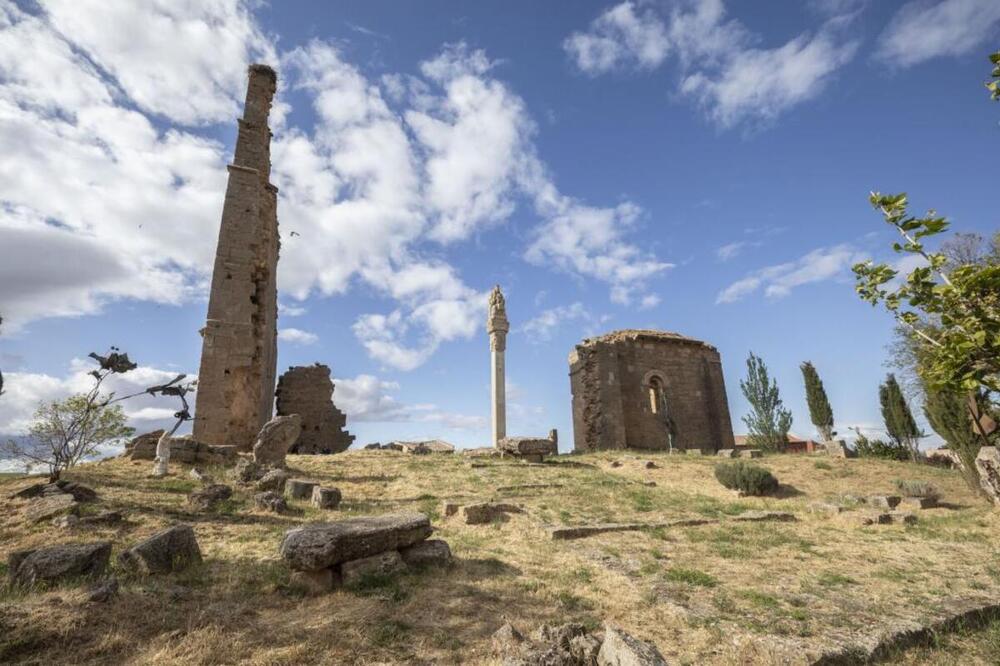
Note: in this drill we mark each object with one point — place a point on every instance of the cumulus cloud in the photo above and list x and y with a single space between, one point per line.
779 280
922 29
722 67
297 336
619 36
23 391
367 398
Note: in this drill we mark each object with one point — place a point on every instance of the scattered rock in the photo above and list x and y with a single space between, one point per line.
300 488
80 492
46 508
866 518
186 450
903 517
765 517
616 463
28 492
449 508
206 498
66 521
751 453
487 512
103 592
988 466
270 500
169 550
27 567
273 480
433 552
621 649
276 438
826 507
506 640
325 498
315 582
883 501
102 519
374 446
247 471
324 545
650 465
383 564
200 476
917 503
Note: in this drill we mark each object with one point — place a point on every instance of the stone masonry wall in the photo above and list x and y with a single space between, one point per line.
308 392
239 342
610 378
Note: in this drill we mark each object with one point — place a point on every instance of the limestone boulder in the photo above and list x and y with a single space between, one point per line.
883 501
988 466
172 549
27 567
270 500
47 508
273 480
325 498
487 512
208 497
325 545
527 446
622 649
300 488
433 552
382 564
276 438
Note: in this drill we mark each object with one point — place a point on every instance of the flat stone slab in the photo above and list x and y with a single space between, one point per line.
487 512
46 508
27 567
325 545
169 550
527 446
765 517
564 533
300 488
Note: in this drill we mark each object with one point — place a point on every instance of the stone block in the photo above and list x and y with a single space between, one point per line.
917 503
751 453
449 508
27 567
315 582
433 552
208 497
386 563
527 446
325 498
324 545
300 488
487 512
270 500
726 453
172 549
883 501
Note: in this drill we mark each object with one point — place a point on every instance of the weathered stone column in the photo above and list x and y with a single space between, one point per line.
497 326
237 373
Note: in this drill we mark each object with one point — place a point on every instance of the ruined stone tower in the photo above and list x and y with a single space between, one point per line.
308 392
648 390
239 341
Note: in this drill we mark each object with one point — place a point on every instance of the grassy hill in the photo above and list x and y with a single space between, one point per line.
716 593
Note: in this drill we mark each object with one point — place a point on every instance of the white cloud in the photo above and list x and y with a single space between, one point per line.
779 280
730 250
23 391
541 327
367 398
722 68
297 336
618 36
921 30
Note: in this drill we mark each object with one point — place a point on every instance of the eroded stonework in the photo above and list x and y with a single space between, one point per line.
308 392
239 341
648 390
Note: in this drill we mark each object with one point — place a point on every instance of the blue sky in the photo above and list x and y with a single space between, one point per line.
701 167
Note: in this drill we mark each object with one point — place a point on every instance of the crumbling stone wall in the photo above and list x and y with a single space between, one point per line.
308 392
239 342
636 388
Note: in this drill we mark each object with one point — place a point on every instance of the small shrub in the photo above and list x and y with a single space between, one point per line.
914 488
691 577
747 478
876 448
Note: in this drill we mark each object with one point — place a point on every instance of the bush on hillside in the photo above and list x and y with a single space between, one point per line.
747 478
877 448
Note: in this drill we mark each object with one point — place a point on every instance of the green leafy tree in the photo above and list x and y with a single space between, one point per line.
820 411
994 85
878 448
898 418
768 421
948 414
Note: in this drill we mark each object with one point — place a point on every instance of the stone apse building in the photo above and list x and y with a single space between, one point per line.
239 342
648 390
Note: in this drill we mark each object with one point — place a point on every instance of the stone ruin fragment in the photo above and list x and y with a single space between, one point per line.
647 389
308 392
239 340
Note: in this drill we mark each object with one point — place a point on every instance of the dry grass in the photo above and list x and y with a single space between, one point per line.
717 593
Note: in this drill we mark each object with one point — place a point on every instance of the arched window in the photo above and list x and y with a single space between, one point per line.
657 399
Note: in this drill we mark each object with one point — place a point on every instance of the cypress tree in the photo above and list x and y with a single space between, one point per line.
948 415
898 418
768 421
819 406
